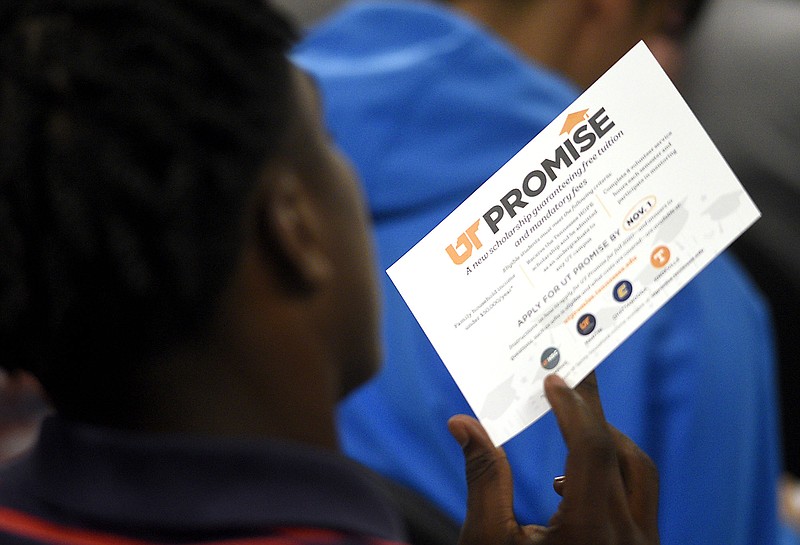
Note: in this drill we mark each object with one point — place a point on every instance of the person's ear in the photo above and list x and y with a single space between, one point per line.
291 230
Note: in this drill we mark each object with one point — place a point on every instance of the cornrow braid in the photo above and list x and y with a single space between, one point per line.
131 131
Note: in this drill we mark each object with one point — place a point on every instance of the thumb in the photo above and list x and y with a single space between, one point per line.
490 514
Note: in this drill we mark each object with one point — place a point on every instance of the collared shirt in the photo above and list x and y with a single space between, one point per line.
84 485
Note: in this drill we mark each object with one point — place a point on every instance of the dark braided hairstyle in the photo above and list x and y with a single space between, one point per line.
131 134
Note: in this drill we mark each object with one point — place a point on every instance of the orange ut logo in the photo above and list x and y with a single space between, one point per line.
469 240
660 257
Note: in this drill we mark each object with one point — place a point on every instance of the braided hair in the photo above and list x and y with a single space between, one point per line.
131 133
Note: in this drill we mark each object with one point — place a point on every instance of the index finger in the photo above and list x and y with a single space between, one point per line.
593 482
578 412
590 393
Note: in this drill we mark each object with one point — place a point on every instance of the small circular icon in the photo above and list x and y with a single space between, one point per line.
622 291
659 257
586 324
550 358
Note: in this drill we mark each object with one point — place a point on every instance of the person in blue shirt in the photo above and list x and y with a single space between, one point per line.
429 100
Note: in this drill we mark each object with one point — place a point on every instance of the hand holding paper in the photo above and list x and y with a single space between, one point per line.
609 493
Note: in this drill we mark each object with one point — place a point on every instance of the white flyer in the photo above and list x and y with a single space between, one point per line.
573 243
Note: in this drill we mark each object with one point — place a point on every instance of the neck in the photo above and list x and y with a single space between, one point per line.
217 393
536 29
244 394
255 374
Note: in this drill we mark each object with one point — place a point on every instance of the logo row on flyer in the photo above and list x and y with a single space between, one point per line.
622 292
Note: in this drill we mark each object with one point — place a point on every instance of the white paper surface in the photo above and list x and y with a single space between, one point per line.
599 221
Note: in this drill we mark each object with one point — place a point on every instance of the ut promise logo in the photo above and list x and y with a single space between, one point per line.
469 240
583 132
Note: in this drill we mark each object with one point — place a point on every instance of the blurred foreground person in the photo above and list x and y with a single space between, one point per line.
429 99
185 265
